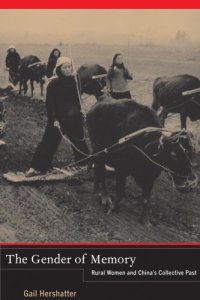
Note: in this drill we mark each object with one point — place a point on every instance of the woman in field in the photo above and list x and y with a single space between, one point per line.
64 116
117 78
53 57
12 64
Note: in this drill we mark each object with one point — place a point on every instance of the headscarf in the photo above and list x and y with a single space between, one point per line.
11 47
114 64
52 52
60 61
114 58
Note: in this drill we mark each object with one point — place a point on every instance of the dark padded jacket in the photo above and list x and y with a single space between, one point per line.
62 100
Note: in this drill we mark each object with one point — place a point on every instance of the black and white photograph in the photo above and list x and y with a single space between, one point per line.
99 125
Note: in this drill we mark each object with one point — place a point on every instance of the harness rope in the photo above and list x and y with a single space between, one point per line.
123 140
181 104
75 76
169 171
70 142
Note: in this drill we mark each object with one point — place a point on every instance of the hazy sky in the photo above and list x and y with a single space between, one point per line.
155 23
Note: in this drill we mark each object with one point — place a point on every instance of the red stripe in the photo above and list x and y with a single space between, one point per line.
87 244
101 4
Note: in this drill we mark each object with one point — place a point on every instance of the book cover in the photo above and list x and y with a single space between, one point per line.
99 149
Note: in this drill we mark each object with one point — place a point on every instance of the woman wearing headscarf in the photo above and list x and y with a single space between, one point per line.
53 57
64 115
117 78
12 63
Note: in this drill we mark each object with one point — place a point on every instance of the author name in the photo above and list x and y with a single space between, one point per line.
47 294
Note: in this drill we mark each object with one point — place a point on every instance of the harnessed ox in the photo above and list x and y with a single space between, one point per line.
177 94
31 68
93 79
143 154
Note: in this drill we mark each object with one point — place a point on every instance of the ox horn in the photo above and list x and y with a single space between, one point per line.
191 92
34 64
99 76
142 131
166 133
161 140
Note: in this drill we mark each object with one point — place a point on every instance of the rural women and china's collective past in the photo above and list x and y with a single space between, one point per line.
125 135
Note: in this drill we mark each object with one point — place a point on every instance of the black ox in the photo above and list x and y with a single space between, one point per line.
31 68
143 157
167 93
93 79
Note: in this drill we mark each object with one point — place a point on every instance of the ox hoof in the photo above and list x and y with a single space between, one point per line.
113 207
110 209
2 143
107 204
146 222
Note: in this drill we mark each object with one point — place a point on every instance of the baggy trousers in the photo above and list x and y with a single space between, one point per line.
52 137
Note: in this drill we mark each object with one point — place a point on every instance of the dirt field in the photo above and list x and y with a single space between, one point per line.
62 212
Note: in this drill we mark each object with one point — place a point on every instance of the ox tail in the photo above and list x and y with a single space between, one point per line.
156 103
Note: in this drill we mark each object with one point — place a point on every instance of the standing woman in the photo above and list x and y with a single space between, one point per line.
117 78
53 57
64 112
12 64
